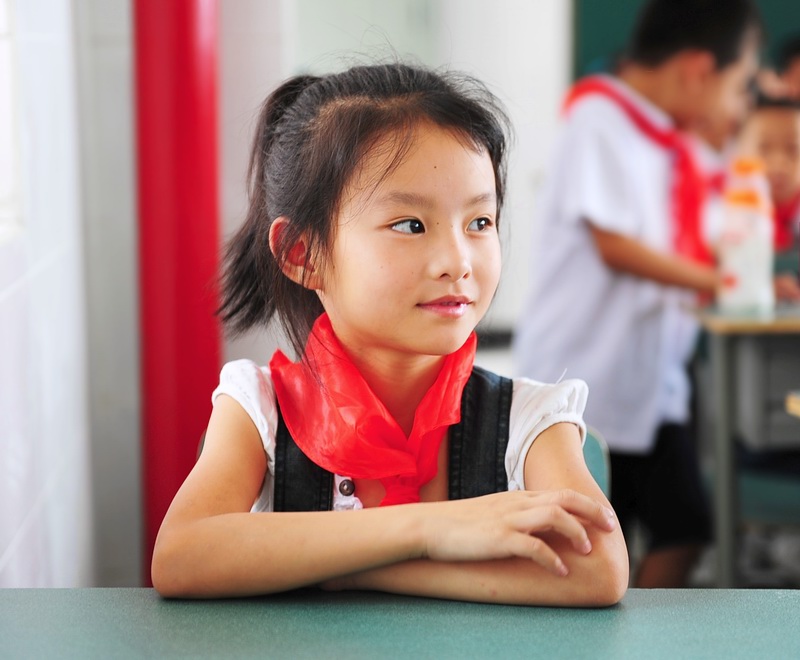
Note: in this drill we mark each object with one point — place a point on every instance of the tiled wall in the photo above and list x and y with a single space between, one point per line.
45 479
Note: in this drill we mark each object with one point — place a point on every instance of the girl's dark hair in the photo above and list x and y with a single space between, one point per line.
789 51
312 135
666 27
767 102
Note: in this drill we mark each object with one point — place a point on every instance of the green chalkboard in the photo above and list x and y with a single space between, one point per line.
602 28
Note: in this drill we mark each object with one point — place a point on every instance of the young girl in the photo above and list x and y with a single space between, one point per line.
372 236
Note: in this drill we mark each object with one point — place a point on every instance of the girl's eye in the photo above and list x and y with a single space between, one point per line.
479 224
409 227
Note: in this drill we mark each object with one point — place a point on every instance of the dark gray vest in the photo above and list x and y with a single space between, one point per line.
477 451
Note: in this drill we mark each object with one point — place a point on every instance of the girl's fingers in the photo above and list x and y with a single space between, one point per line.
584 506
553 518
532 547
516 524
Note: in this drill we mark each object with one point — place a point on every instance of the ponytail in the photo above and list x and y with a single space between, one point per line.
252 279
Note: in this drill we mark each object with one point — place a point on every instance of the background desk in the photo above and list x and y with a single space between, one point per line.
725 330
130 623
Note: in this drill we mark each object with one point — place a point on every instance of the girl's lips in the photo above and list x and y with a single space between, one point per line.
450 306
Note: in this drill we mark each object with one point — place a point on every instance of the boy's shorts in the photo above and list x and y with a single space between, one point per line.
663 490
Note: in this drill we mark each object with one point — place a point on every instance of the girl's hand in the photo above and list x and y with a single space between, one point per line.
513 524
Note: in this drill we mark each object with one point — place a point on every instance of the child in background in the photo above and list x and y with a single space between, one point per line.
621 259
372 236
772 133
784 81
789 67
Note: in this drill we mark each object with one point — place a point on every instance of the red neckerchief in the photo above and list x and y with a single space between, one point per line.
339 423
785 215
688 186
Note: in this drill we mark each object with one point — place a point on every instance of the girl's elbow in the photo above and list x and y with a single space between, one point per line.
612 587
162 576
168 571
613 576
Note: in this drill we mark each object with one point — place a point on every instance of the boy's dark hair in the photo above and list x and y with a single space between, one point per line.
789 51
312 135
666 27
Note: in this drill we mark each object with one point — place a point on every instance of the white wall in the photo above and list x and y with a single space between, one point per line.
522 50
45 480
104 33
254 40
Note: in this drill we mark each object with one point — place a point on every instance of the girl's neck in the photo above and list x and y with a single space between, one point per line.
400 382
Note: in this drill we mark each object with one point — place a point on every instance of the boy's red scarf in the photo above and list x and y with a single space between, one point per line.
339 423
688 186
786 219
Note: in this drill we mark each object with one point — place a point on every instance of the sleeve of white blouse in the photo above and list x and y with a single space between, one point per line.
251 387
535 407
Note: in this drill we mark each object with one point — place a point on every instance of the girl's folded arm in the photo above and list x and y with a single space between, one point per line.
210 545
600 577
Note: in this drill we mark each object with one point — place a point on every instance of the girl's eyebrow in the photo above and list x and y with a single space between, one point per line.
426 203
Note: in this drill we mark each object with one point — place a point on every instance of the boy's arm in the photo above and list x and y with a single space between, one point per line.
627 255
598 578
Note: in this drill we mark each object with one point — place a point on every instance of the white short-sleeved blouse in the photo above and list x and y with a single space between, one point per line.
534 408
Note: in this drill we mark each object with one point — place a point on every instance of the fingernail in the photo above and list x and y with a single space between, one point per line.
562 569
611 518
586 547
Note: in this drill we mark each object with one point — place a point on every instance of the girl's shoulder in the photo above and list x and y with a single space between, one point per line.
571 393
535 407
250 385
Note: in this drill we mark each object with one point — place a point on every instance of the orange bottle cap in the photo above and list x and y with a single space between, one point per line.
743 197
745 166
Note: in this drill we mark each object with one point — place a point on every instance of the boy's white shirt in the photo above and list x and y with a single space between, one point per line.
535 407
627 337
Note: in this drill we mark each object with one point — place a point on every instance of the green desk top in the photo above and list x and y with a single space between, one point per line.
133 623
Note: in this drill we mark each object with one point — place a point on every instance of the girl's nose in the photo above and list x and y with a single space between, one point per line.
452 259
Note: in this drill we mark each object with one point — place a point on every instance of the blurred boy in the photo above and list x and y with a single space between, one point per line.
772 133
621 255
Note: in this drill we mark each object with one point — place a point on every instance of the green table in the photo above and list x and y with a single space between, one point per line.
133 623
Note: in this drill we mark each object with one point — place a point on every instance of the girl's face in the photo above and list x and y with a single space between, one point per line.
774 135
415 260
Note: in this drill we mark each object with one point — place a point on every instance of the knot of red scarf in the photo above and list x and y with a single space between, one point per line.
688 184
342 426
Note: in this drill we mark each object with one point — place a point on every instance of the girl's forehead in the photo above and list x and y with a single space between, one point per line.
424 143
783 120
405 154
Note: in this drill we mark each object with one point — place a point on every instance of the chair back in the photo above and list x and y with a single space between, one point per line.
595 451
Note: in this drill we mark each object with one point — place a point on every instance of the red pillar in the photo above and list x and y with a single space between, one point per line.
176 112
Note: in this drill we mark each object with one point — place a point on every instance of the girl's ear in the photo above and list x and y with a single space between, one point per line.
299 265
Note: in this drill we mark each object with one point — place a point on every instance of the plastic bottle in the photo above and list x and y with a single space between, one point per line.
746 243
